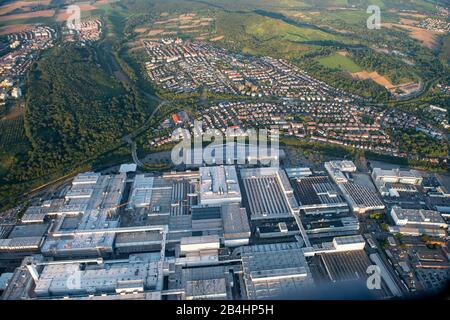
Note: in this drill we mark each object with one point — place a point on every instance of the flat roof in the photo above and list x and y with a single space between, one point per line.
29 230
219 183
106 277
86 178
316 190
235 221
274 270
418 215
200 239
202 213
268 192
349 239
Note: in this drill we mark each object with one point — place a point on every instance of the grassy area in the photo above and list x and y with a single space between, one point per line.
267 28
340 62
34 20
13 142
445 51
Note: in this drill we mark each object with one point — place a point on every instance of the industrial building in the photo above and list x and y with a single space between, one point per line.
338 244
274 271
138 273
92 232
206 219
269 193
24 239
298 172
219 185
414 217
390 182
206 283
350 266
337 169
236 228
199 243
396 176
418 231
361 198
323 210
271 203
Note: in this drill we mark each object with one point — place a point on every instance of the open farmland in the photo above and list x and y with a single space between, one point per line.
28 15
63 15
191 25
12 132
14 28
24 5
427 37
375 76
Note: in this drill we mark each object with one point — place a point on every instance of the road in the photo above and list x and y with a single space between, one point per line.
128 138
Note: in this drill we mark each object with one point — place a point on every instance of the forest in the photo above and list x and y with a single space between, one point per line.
74 112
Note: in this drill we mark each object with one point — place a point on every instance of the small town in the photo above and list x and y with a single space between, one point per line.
186 66
25 47
246 151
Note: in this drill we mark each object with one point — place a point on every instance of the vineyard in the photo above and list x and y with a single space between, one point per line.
12 133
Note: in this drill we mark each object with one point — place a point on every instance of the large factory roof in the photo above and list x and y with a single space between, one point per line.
274 270
140 272
269 193
86 178
235 222
361 197
417 217
219 185
205 283
20 243
379 173
318 190
24 237
141 191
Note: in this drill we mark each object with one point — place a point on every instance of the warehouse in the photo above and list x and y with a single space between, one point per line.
274 271
206 218
219 185
138 273
269 193
236 229
361 198
350 266
381 176
414 217
206 283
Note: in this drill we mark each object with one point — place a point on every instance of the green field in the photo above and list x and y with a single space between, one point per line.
266 28
445 51
340 62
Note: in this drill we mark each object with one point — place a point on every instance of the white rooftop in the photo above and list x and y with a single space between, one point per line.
219 185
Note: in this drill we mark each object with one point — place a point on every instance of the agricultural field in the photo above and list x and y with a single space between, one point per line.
12 132
28 13
12 142
192 25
